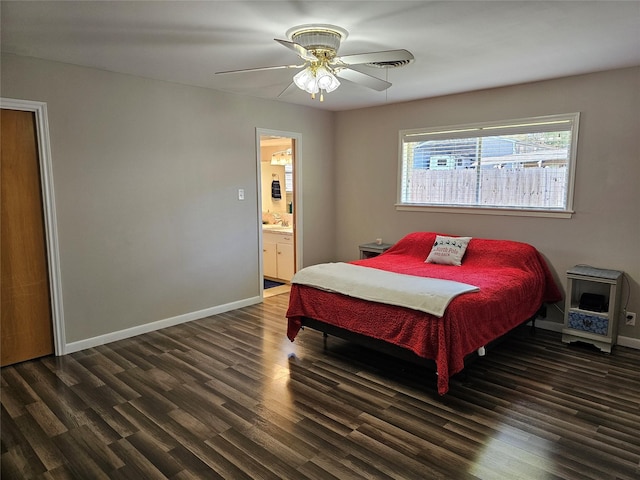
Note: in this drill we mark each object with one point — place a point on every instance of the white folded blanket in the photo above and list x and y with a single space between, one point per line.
430 295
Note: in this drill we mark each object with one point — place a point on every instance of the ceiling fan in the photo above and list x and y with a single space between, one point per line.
318 46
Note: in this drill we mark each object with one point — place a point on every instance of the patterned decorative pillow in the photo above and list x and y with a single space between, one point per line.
448 250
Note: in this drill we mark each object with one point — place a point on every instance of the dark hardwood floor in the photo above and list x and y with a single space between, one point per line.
230 397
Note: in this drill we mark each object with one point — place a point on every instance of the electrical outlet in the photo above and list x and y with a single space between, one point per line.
630 318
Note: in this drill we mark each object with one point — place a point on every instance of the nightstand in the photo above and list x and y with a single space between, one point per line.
368 250
592 306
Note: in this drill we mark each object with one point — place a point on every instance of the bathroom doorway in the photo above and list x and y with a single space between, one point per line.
279 212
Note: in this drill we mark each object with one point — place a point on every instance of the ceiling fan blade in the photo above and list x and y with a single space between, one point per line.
387 56
299 49
277 67
289 90
363 79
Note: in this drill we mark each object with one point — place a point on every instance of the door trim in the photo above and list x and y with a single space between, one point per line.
50 223
297 195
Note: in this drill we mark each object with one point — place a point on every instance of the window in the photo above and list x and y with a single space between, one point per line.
521 166
288 178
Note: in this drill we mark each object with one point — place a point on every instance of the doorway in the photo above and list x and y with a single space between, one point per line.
279 212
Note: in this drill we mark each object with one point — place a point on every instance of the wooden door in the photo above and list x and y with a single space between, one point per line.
25 319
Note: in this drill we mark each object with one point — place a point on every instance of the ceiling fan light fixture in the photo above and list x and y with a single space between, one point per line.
306 80
312 87
314 79
326 80
322 41
335 83
302 78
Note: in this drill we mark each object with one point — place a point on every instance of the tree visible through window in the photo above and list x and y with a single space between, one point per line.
521 165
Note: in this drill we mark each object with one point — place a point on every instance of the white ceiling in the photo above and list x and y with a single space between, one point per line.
458 46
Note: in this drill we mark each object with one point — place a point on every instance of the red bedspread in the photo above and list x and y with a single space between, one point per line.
514 281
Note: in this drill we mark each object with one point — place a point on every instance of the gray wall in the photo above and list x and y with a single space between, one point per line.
146 175
605 230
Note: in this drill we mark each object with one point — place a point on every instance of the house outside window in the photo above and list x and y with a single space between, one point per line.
515 167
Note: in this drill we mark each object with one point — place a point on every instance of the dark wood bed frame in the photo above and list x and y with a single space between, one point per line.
401 352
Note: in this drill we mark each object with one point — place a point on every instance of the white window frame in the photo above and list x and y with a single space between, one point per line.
515 126
288 178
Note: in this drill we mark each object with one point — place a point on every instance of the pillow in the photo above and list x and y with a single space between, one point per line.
448 250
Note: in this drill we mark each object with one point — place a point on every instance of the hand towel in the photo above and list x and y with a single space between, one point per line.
275 189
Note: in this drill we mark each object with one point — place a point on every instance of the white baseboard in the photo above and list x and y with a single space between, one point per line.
157 325
557 327
549 325
168 322
629 342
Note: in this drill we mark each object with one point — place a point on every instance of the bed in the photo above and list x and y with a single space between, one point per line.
509 283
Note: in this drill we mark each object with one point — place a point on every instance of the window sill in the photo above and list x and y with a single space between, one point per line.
512 212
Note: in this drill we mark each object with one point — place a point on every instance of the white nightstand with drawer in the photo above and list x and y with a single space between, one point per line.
592 306
368 250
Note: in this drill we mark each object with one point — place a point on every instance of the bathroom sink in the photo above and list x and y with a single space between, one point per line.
277 228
